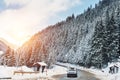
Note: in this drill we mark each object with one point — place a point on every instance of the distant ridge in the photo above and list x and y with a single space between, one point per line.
8 43
3 46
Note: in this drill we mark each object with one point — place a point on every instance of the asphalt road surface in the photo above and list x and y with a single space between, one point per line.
82 75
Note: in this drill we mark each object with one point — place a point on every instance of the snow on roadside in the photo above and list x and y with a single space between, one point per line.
57 70
101 74
9 72
6 71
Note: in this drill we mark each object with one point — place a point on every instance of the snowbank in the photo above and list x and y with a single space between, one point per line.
6 71
57 70
101 74
9 72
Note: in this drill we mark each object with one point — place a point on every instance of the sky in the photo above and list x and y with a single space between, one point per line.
20 19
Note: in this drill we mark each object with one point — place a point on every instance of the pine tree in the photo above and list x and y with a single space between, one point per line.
112 38
97 45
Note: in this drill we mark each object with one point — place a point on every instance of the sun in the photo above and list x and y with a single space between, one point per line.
16 38
19 38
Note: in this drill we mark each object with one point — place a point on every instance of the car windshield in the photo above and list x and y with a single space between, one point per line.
71 69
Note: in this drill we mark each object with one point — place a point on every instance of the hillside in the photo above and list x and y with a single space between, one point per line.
7 56
89 39
12 46
3 46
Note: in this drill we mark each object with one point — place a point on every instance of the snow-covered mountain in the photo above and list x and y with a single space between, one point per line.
3 47
13 46
7 54
89 39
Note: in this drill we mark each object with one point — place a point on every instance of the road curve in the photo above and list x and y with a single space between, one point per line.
82 75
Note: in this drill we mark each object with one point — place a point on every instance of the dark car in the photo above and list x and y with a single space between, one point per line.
72 73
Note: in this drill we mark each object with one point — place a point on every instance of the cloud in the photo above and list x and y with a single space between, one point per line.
14 2
31 15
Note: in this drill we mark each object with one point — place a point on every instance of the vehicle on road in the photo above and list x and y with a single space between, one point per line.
72 73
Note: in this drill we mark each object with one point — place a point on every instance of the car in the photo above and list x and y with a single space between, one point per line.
72 73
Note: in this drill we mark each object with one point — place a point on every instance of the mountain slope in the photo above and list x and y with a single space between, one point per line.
8 43
90 39
7 58
3 46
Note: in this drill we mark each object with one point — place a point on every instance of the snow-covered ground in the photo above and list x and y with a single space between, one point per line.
6 72
101 74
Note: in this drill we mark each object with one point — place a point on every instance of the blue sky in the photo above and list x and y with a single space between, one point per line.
76 10
20 19
2 5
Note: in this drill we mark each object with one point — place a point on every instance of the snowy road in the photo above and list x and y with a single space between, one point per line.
56 73
82 75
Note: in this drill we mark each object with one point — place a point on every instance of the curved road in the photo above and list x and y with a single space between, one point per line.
82 75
